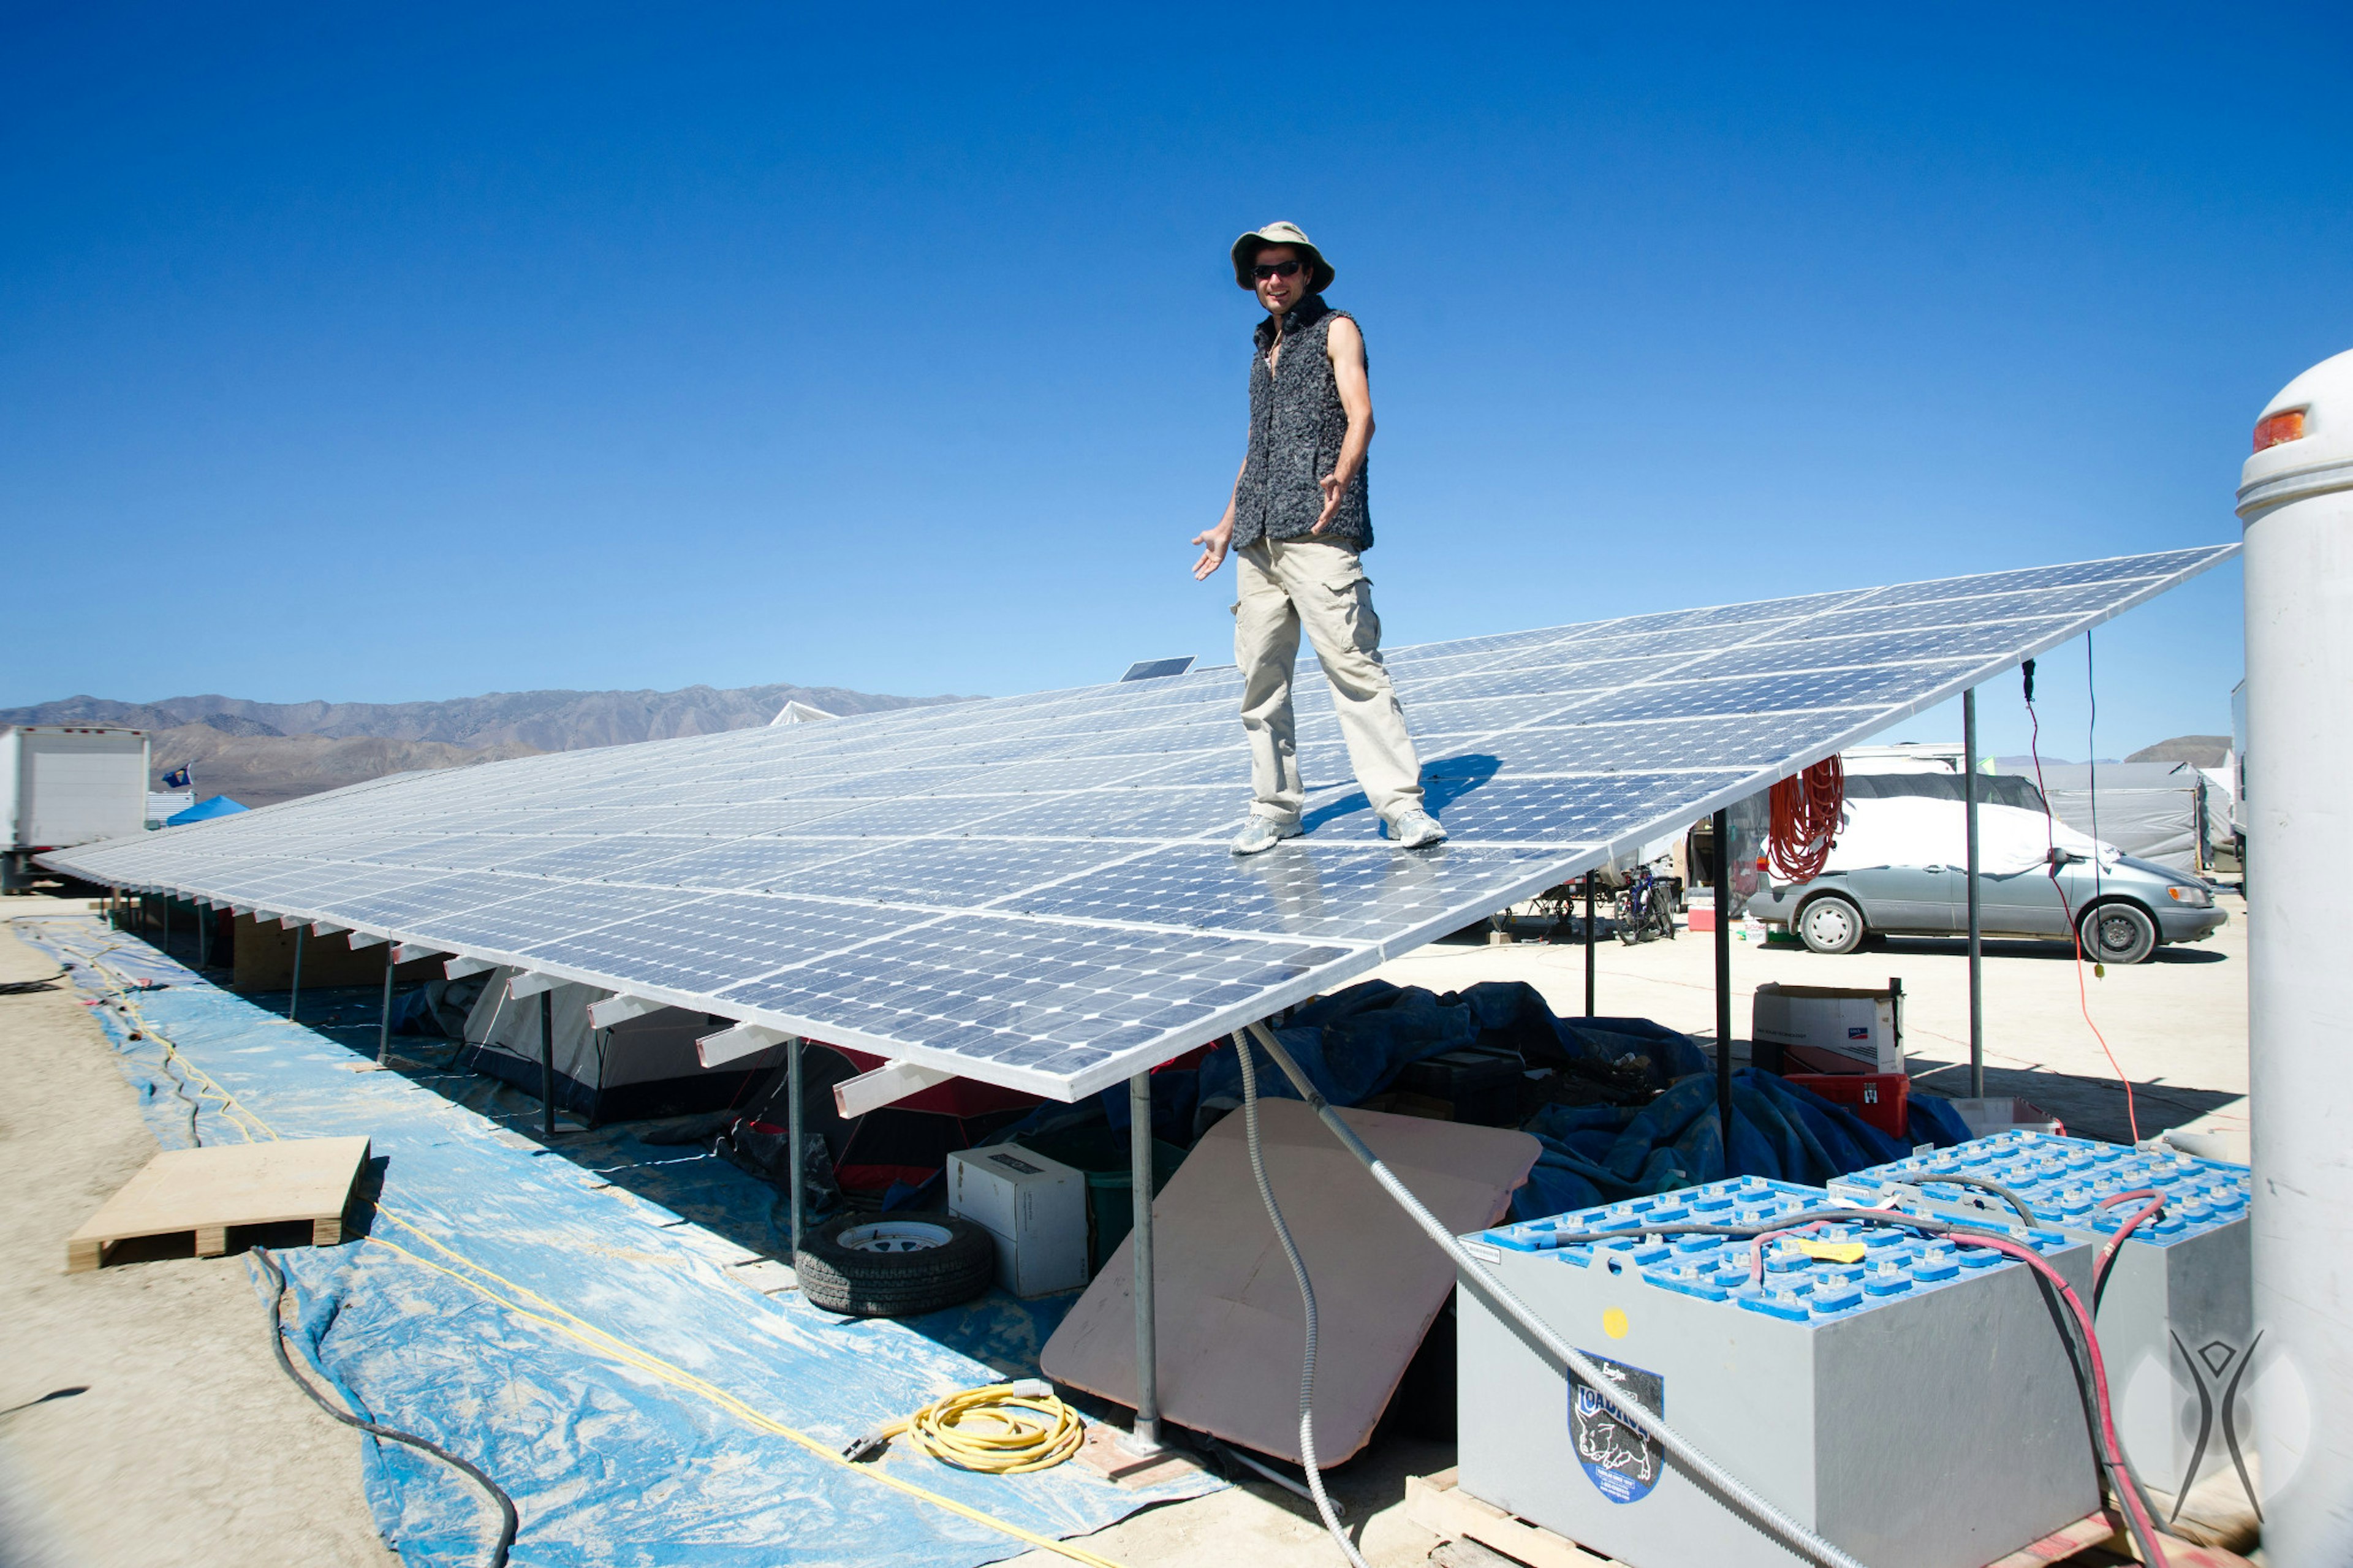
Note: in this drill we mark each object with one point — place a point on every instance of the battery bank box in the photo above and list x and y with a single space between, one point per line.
1908 1398
2176 1318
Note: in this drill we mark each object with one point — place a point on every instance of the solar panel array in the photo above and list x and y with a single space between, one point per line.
1036 891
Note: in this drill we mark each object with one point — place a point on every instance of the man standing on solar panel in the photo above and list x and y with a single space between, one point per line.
1297 523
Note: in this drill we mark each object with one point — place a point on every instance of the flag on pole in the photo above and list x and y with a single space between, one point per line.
179 778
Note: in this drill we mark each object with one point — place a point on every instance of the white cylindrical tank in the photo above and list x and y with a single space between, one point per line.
2296 497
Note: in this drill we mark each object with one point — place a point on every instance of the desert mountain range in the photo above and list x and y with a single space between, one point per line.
261 753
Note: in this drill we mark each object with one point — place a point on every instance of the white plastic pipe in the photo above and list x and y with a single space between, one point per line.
2296 497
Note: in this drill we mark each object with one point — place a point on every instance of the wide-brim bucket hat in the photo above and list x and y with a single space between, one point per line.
1247 248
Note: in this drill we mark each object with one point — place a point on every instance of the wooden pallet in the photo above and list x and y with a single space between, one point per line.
209 1192
1436 1504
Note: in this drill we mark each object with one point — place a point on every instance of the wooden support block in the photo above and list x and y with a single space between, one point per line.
1104 1453
1436 1504
207 1192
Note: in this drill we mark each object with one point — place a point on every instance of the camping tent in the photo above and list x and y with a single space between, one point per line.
2154 810
645 1067
204 811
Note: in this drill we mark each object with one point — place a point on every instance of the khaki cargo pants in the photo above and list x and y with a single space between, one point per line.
1284 585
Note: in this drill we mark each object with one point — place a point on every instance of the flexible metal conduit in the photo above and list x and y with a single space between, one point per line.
1723 1480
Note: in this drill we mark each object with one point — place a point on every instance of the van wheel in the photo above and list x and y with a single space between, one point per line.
894 1265
2118 933
1831 924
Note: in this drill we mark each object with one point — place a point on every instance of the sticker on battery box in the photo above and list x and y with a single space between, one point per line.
1621 1459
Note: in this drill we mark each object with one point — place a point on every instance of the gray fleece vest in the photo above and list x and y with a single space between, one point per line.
1296 426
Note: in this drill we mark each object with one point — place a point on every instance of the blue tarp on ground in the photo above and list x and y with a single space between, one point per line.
590 1344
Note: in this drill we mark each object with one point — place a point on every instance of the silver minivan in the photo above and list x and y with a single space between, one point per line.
2126 910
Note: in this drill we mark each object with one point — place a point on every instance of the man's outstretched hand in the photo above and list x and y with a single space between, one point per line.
1335 487
1214 543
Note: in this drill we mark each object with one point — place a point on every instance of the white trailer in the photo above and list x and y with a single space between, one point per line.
62 784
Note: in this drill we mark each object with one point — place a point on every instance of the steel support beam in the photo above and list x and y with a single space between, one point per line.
1589 944
1724 976
1976 928
730 1045
886 1085
294 989
619 1008
547 1062
1145 1439
795 1135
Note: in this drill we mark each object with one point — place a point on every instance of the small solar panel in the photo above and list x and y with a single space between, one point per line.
1036 891
1154 669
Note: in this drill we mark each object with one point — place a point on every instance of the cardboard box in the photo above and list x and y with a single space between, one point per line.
1824 1028
1035 1209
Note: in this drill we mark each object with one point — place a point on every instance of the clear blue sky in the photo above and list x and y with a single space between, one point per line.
374 353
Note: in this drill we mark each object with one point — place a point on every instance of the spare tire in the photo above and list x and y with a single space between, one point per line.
894 1265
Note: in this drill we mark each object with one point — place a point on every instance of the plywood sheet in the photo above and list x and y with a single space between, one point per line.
1229 1318
209 1191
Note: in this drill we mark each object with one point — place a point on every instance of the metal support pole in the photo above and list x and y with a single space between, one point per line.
384 1022
294 988
547 1061
1724 978
205 919
166 901
1589 944
1146 1437
799 1154
1977 942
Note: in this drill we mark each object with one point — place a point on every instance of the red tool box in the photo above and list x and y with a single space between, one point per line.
1882 1098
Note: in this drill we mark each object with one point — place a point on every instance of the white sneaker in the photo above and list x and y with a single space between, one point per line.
1260 832
1416 829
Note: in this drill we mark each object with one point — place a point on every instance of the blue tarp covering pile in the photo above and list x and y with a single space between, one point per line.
1599 1153
559 1317
1353 1043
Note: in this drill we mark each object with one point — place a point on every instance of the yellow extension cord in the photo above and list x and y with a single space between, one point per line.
1004 1429
533 1308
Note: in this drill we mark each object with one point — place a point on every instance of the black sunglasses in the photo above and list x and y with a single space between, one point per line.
1276 269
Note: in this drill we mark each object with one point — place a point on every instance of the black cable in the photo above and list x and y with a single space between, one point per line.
2092 746
2008 1196
507 1517
19 987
